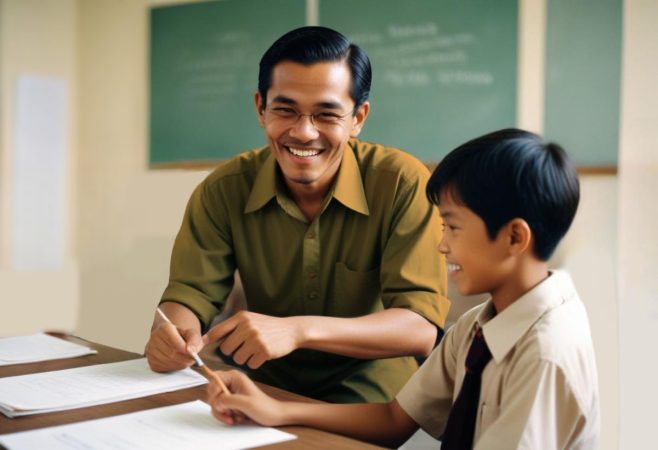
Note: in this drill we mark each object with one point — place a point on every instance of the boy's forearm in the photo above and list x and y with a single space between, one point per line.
379 423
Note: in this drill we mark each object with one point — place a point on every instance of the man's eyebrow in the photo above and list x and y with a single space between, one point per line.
283 99
329 105
446 215
321 105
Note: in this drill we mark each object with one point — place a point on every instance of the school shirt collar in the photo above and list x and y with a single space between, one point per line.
347 189
503 331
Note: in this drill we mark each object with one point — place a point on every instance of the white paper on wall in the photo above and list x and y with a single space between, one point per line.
40 200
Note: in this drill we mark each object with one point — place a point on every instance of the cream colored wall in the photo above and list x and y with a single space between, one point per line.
638 227
36 38
128 214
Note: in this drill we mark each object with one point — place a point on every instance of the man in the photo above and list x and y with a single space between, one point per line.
333 238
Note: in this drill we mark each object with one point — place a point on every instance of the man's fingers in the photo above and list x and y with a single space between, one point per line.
219 331
164 360
170 336
193 340
257 360
232 342
163 352
244 353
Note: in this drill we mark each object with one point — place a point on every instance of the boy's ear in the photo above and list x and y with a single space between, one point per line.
520 236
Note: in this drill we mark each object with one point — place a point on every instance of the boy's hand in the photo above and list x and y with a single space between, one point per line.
246 402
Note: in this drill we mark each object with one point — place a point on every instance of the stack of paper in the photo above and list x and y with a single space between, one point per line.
189 425
38 347
86 386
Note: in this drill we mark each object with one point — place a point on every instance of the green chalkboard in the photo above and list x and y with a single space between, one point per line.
444 71
203 73
583 65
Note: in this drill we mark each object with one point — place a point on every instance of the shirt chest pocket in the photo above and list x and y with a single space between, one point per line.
355 293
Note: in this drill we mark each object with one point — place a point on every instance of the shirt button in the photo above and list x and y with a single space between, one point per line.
312 274
311 235
312 295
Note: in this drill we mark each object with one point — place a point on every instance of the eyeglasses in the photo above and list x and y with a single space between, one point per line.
322 119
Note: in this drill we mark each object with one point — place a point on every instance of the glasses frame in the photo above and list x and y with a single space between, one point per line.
317 123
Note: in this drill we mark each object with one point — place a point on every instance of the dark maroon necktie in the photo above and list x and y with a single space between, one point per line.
461 422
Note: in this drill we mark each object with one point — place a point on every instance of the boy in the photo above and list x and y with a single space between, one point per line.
506 200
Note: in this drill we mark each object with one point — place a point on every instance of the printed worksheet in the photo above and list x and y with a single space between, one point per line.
38 347
85 386
188 425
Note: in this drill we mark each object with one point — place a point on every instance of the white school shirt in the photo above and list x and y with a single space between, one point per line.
539 391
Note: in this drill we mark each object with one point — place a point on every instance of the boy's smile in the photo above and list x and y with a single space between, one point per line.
453 268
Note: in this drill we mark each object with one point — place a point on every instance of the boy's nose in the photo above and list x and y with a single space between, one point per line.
443 248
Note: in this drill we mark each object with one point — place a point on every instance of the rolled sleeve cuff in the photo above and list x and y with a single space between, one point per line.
431 306
189 297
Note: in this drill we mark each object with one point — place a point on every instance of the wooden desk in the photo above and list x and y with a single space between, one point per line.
306 437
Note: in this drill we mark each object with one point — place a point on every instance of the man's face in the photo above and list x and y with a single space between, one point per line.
309 150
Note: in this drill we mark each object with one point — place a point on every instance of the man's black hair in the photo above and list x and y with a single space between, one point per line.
309 45
511 174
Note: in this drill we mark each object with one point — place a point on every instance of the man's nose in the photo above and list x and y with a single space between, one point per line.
304 129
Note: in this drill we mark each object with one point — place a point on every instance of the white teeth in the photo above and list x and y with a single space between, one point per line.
454 267
303 153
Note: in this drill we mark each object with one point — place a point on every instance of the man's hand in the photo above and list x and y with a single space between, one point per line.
169 347
246 402
253 338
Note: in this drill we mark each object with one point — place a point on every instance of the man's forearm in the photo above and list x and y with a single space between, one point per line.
389 333
179 315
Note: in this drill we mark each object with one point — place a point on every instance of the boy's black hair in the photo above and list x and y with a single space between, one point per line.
309 45
512 173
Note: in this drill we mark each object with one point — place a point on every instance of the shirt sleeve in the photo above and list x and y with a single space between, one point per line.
427 396
202 261
413 272
538 409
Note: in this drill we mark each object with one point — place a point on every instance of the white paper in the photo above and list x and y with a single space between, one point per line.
40 173
188 425
86 386
38 347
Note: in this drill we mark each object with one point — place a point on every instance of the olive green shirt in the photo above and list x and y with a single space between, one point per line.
373 246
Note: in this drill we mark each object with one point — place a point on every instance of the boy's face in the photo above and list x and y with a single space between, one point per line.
476 264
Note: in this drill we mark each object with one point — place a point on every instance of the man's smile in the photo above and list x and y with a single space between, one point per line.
303 153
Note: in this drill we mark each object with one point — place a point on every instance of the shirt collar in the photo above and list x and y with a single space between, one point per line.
264 188
348 188
349 184
503 331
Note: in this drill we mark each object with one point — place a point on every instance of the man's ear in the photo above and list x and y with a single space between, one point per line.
260 110
360 119
519 235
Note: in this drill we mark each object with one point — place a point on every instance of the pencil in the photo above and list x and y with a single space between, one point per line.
212 376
